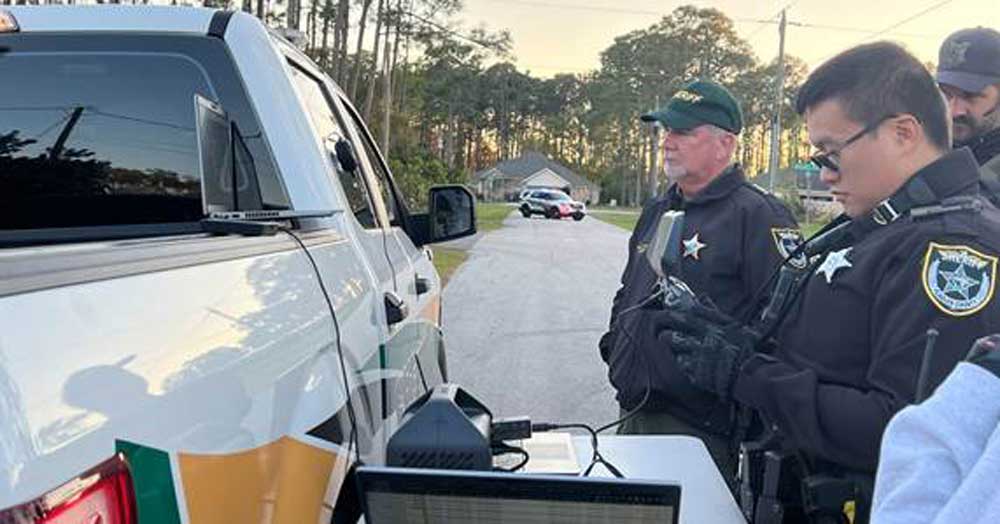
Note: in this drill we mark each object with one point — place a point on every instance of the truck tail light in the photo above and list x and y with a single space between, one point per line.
8 24
103 495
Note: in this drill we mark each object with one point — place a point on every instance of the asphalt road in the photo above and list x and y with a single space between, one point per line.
523 315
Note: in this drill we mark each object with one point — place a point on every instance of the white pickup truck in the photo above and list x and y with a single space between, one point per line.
212 298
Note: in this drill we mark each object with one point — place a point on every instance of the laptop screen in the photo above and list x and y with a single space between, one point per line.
422 496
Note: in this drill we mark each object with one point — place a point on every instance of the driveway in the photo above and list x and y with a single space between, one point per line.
523 316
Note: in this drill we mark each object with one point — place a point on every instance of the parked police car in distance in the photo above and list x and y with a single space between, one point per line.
213 299
551 203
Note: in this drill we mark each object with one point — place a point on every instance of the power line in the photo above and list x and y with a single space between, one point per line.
788 7
600 9
608 9
452 32
895 25
853 29
764 23
909 19
55 124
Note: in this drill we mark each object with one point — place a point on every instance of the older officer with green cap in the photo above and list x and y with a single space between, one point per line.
735 235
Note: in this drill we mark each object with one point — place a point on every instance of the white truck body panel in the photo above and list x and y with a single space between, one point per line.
217 353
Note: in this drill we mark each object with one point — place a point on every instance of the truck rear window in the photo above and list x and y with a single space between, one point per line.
101 131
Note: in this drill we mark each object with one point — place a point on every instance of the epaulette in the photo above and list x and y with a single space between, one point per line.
759 189
946 206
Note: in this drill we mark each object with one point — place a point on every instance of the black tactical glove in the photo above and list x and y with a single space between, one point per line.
985 353
694 317
710 361
710 346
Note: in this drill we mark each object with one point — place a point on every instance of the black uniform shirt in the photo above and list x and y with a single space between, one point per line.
850 349
735 235
986 146
986 149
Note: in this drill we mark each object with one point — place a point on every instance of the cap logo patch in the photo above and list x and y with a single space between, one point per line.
958 279
953 54
688 96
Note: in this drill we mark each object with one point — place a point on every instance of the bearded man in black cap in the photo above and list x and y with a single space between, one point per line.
969 75
735 236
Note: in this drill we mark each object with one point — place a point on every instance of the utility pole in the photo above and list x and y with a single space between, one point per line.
780 95
57 148
654 175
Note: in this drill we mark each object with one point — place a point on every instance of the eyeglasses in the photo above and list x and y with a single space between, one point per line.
829 161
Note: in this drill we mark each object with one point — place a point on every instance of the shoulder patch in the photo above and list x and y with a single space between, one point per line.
958 279
786 240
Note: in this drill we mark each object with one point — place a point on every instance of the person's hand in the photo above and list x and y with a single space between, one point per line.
985 353
698 318
709 346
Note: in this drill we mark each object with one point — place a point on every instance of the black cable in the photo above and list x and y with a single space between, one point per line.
639 407
353 437
420 369
595 458
649 379
502 449
644 302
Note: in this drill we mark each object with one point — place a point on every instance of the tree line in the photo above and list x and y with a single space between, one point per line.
453 102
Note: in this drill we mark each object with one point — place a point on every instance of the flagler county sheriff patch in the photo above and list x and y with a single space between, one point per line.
787 240
958 279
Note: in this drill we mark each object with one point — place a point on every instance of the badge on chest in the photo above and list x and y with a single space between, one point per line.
958 279
693 246
835 261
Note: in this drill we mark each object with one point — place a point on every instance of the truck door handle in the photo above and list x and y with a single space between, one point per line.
395 308
423 285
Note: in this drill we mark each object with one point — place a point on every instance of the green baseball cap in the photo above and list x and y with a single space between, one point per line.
700 102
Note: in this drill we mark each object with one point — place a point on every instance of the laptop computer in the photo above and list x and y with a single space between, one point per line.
427 496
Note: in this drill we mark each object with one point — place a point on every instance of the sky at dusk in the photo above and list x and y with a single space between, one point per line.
567 36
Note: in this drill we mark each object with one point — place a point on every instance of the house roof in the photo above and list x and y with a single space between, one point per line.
530 163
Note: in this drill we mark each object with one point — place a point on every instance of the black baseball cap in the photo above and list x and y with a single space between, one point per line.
698 103
970 59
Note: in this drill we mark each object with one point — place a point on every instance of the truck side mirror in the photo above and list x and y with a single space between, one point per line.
452 213
345 155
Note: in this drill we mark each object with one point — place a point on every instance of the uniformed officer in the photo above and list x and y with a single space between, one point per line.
920 251
969 75
735 235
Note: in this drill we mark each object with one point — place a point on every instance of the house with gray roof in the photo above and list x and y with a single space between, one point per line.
532 170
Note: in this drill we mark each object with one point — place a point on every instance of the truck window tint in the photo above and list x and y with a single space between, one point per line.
324 120
101 131
374 158
119 145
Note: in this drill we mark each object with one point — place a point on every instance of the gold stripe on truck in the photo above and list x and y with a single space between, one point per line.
286 481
